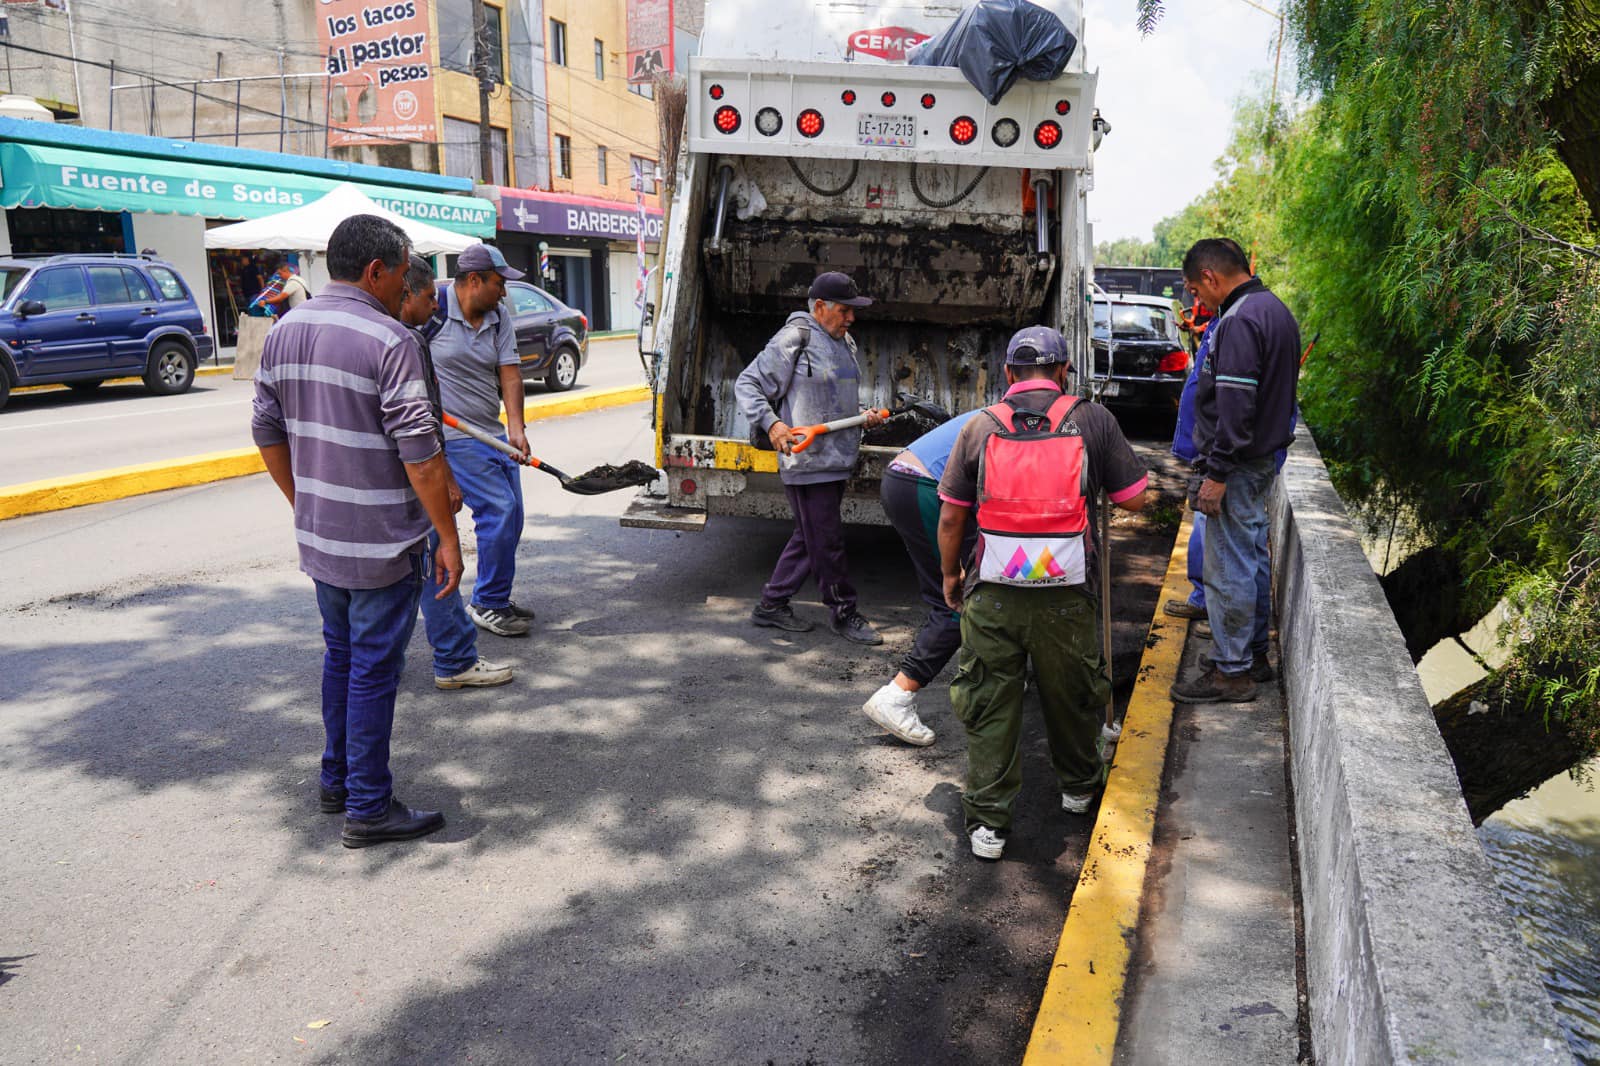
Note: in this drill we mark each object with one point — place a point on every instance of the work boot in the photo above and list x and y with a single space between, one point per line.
1260 669
1214 686
781 616
481 674
331 800
1077 802
1182 609
497 620
399 822
855 629
891 709
988 843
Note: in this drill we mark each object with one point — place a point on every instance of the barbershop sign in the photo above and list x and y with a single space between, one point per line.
558 215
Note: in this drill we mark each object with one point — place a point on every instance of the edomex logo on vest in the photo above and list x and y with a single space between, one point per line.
1033 484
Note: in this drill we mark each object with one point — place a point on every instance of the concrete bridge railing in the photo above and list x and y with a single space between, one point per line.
1411 951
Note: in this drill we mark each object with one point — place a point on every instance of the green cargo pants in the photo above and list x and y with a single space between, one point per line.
1002 626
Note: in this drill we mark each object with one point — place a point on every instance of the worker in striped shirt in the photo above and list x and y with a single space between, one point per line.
344 424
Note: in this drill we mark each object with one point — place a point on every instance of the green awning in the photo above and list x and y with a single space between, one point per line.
34 175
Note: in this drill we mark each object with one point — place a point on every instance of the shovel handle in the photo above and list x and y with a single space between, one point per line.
494 442
804 436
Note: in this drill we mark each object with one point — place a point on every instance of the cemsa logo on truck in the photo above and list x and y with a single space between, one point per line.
889 42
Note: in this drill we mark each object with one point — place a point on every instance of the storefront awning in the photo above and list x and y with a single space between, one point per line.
33 175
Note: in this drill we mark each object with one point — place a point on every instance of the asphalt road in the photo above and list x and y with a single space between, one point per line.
55 432
673 839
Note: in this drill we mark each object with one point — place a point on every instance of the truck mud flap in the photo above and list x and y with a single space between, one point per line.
653 512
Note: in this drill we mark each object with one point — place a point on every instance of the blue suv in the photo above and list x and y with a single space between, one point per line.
76 320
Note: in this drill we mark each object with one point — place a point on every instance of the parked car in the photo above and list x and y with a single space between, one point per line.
77 320
1139 359
552 338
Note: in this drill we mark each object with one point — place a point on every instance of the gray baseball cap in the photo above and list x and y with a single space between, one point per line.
486 257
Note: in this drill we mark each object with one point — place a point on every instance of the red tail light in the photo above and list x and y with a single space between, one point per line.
716 92
848 97
809 123
1047 134
963 130
585 320
888 99
927 101
1174 362
1063 106
727 119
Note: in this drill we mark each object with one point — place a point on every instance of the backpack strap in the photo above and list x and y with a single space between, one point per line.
1060 412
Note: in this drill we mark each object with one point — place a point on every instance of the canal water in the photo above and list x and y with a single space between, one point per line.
1545 851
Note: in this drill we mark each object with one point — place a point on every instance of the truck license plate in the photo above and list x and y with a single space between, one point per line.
891 131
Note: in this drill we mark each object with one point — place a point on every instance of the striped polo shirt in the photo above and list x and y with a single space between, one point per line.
341 382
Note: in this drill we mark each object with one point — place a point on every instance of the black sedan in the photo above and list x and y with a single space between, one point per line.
552 338
1139 361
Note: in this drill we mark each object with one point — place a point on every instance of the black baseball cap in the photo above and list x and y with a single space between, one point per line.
483 257
1036 346
838 288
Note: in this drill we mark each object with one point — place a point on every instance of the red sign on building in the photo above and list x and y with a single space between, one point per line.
649 39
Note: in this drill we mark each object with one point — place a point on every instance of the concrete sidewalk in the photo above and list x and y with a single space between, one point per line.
1213 980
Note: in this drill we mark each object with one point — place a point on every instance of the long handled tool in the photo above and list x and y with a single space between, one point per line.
805 436
590 483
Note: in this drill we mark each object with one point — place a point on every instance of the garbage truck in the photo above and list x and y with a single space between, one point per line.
810 144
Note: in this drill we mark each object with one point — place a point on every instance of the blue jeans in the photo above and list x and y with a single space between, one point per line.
366 631
451 634
1197 554
491 486
1238 571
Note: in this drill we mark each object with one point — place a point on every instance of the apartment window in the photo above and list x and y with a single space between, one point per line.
601 149
563 156
599 60
645 89
462 158
457 37
646 169
558 42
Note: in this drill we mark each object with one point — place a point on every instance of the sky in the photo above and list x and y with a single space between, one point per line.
1169 98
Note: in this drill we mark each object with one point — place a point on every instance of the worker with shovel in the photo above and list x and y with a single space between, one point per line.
475 354
807 374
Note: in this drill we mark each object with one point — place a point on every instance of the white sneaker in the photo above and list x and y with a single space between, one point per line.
1107 745
891 709
986 843
481 674
1079 804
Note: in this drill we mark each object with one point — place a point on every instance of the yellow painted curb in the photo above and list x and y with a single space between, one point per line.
101 486
57 494
23 390
1081 1010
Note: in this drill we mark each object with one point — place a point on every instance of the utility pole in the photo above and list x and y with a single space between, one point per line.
486 83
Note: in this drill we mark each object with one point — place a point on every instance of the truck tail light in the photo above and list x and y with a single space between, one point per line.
768 122
688 486
928 101
888 99
1174 362
1047 134
1063 106
716 92
848 97
727 119
809 123
1006 132
963 130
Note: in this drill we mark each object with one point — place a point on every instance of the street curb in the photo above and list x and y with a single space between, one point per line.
23 390
102 486
1081 1010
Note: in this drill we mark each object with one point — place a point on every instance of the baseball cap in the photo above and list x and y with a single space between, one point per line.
838 288
1036 346
486 257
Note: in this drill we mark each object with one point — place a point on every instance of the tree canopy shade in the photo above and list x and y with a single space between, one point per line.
1432 214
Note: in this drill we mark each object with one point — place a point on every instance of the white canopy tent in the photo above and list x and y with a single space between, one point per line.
307 228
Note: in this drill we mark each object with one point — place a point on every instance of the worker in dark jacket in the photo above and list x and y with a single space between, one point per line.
807 374
1244 414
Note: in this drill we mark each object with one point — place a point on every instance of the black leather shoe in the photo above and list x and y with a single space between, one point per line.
331 800
399 823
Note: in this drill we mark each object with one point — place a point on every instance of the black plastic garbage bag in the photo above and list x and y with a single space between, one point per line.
996 41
